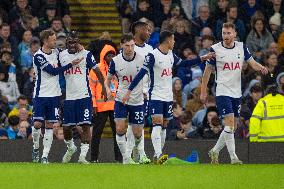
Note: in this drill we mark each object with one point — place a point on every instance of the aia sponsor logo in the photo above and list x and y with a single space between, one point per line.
127 78
166 72
73 70
232 66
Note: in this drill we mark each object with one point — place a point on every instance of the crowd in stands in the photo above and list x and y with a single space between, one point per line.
197 25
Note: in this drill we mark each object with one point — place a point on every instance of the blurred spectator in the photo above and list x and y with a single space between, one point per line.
231 16
275 23
24 46
3 16
280 81
174 16
39 7
259 37
6 37
20 8
3 134
220 9
211 124
274 6
177 90
22 102
203 20
198 118
26 57
162 12
207 41
126 11
144 11
186 131
29 85
26 23
3 118
25 131
271 63
57 25
194 104
13 127
182 35
45 20
59 135
206 31
247 10
174 124
155 34
191 7
61 40
7 62
214 4
67 21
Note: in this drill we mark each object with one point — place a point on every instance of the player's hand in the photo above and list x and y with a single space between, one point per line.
203 97
104 93
208 56
77 61
126 97
263 70
109 94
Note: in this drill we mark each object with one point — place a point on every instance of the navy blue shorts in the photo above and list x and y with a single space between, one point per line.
46 108
135 114
161 108
227 105
77 112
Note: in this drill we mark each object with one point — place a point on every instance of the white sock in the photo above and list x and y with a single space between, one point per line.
220 143
36 136
156 140
121 142
47 141
230 142
140 146
163 137
69 143
84 150
130 141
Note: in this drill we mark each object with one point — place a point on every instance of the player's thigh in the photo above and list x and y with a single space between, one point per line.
136 118
156 111
69 109
38 109
225 109
83 111
52 110
167 112
120 115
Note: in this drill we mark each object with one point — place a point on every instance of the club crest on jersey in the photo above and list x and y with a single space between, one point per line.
127 78
232 66
166 72
73 70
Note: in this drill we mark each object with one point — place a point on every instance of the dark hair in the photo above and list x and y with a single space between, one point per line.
14 120
22 97
126 37
5 52
164 35
267 55
209 109
45 34
258 15
137 25
231 6
56 19
73 34
272 89
4 25
229 25
256 88
175 105
185 117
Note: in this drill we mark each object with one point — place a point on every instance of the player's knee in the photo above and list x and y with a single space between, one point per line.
137 131
157 120
37 124
120 127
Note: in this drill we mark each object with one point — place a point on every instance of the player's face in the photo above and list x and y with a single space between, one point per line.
51 41
128 48
228 35
171 42
145 33
72 45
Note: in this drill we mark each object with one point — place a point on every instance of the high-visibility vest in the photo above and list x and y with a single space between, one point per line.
267 120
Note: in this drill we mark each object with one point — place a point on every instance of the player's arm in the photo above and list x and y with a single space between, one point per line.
41 62
91 63
179 62
111 73
255 65
147 66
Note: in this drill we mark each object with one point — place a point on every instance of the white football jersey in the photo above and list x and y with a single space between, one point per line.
143 51
77 77
126 70
228 64
46 85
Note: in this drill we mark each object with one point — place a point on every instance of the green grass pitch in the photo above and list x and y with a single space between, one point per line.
116 176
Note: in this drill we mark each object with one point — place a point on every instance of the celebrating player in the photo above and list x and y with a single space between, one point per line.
228 63
125 66
141 34
46 93
78 103
159 64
